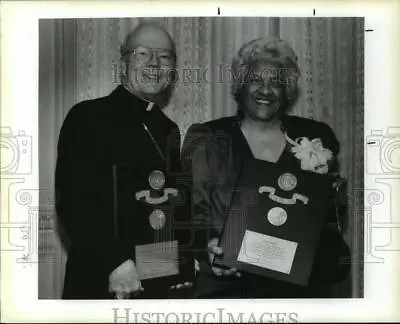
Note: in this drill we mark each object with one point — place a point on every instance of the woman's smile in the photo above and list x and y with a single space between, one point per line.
264 101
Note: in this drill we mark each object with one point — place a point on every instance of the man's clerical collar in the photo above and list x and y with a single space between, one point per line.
150 103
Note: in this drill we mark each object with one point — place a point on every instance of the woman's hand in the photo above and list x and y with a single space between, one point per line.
188 284
213 250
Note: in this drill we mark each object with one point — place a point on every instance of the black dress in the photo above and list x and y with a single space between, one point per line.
96 135
213 153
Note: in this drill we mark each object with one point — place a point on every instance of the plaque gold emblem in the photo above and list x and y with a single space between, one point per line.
287 181
277 216
281 200
156 180
157 219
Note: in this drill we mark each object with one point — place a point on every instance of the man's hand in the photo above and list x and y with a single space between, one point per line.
214 250
124 280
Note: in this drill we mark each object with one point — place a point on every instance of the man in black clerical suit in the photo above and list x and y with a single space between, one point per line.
126 127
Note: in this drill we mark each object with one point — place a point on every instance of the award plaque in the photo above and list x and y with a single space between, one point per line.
275 220
149 208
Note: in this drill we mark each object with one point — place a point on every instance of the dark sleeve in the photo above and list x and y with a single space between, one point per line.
197 162
330 142
82 192
333 261
329 138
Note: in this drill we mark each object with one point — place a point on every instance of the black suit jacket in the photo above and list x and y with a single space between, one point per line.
213 153
96 135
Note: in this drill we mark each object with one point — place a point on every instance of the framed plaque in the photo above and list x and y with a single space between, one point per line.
149 210
275 220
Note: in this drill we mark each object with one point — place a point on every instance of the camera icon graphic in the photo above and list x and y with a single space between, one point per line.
16 152
383 151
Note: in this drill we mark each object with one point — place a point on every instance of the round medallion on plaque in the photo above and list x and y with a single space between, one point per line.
277 216
287 181
156 180
157 219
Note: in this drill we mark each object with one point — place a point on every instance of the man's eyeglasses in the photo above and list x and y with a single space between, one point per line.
145 54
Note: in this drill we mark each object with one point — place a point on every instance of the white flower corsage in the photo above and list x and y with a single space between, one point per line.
312 155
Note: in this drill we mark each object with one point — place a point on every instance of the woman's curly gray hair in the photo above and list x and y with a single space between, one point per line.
271 49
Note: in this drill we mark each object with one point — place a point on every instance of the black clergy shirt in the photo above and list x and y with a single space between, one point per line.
95 136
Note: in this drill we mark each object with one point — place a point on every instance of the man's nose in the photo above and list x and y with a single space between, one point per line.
154 61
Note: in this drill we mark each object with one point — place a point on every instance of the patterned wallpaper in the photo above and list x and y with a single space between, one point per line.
203 44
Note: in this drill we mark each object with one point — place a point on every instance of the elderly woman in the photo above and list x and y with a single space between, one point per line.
265 75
